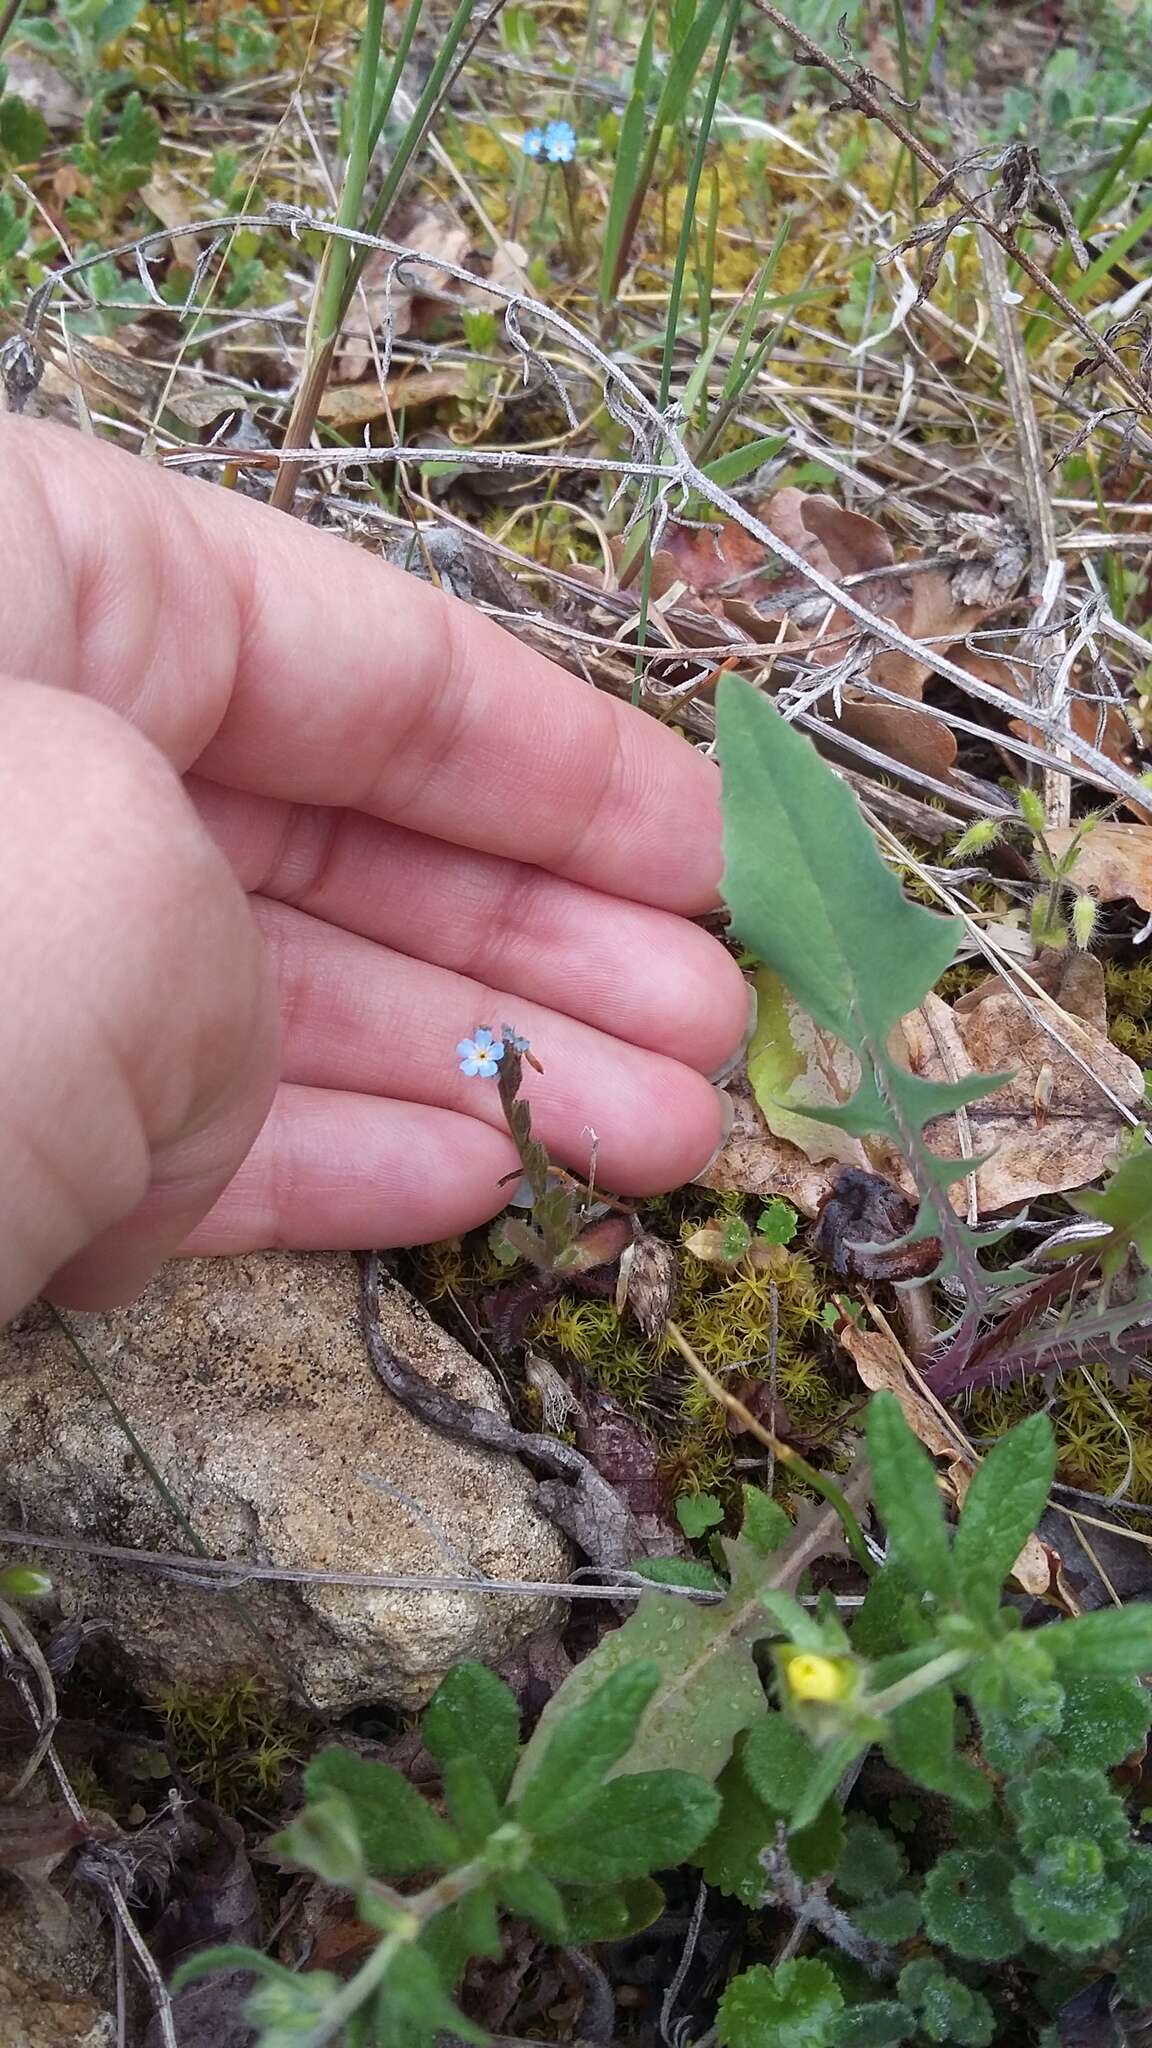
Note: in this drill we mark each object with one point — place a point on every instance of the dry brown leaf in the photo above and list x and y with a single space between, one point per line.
754 1162
353 405
882 1370
1113 861
435 233
1094 719
174 207
1049 1127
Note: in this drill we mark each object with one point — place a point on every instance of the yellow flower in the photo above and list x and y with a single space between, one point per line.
818 1678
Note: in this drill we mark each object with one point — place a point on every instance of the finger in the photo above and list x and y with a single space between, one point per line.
359 1017
335 1171
284 661
137 1031
637 973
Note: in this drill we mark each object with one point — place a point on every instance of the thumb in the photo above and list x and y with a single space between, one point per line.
138 1030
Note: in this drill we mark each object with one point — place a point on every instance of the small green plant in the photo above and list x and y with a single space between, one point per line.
1060 912
675 1742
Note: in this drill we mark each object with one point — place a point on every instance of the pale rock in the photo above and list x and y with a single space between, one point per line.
246 1384
52 1972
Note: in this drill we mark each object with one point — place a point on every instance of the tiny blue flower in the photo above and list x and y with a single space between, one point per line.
480 1054
532 142
559 142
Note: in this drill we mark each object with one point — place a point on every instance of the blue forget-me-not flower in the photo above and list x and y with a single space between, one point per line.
556 143
480 1054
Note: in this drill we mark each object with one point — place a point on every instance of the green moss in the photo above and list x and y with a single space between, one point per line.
232 1744
1128 991
1093 1448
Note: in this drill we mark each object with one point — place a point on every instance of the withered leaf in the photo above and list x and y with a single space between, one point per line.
1049 1127
1113 861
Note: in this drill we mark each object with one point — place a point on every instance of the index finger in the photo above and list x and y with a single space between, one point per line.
286 662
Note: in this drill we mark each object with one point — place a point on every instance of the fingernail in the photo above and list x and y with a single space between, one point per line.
727 1119
730 1066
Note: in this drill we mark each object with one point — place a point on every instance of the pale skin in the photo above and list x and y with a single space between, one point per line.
278 826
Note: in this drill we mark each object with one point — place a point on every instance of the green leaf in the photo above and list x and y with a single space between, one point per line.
871 1861
883 2024
778 1761
630 149
534 1897
892 1920
947 2009
778 1222
1068 1902
612 1914
1134 1974
765 1525
473 1713
1109 1643
699 1512
1017 1699
1125 1204
921 1741
1004 1503
23 131
1105 1719
399 1832
414 1993
325 1837
679 1571
1059 1799
908 1498
740 462
113 20
472 1803
807 887
794 2006
965 1901
632 1826
582 1750
710 1687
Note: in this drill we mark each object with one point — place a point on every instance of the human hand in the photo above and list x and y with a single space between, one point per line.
231 1006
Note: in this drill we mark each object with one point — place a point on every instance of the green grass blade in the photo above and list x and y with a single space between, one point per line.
630 152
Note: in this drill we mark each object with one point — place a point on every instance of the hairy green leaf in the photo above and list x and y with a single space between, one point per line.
1135 1973
630 1827
23 131
793 2006
920 1740
472 1803
1125 1204
1104 1719
871 1861
473 1713
966 1909
613 1912
947 2009
1108 1643
710 1688
1068 1902
1018 1701
1061 1799
414 1994
533 1897
891 1920
885 2023
778 1761
399 1832
699 1512
1004 1503
906 1493
765 1525
584 1746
